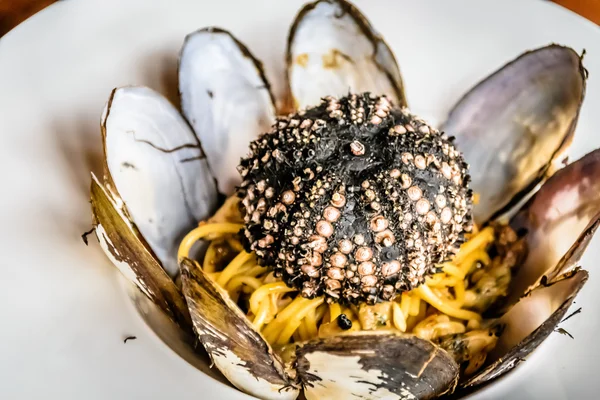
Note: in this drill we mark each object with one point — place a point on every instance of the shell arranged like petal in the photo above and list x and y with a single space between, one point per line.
571 258
529 323
512 126
333 50
225 97
555 217
236 348
374 366
155 166
123 245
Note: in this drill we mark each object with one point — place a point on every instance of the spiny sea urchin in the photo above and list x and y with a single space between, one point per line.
354 199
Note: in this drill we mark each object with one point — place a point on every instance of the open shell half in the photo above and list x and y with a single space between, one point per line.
155 167
333 50
515 125
226 98
375 365
156 186
236 349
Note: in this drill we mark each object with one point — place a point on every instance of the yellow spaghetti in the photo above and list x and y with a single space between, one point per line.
446 304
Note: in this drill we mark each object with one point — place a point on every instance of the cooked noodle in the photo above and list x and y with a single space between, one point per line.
434 310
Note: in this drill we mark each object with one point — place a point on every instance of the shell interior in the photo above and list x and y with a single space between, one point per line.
334 50
235 347
155 166
515 123
225 97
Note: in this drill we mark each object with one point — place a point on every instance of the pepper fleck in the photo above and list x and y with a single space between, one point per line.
344 322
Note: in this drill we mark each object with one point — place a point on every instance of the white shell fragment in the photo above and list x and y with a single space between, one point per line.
374 366
236 348
516 123
334 50
226 99
155 165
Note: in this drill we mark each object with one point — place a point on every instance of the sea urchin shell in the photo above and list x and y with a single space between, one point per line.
356 186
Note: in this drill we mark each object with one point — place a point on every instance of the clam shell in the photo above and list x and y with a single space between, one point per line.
374 366
564 209
122 243
235 347
529 323
226 98
155 170
333 49
516 123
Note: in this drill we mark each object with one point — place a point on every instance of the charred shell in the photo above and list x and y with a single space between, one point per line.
124 246
333 50
374 366
514 126
226 98
236 349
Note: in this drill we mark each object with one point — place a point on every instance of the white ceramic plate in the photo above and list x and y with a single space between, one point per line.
64 313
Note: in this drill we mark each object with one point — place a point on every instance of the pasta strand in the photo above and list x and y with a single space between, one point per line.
233 267
263 291
427 295
202 231
294 322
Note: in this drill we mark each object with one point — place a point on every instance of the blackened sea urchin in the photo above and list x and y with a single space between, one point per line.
354 199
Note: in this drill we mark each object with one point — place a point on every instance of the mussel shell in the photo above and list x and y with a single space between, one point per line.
529 323
226 98
555 217
333 50
155 166
374 365
235 347
571 258
516 123
125 247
